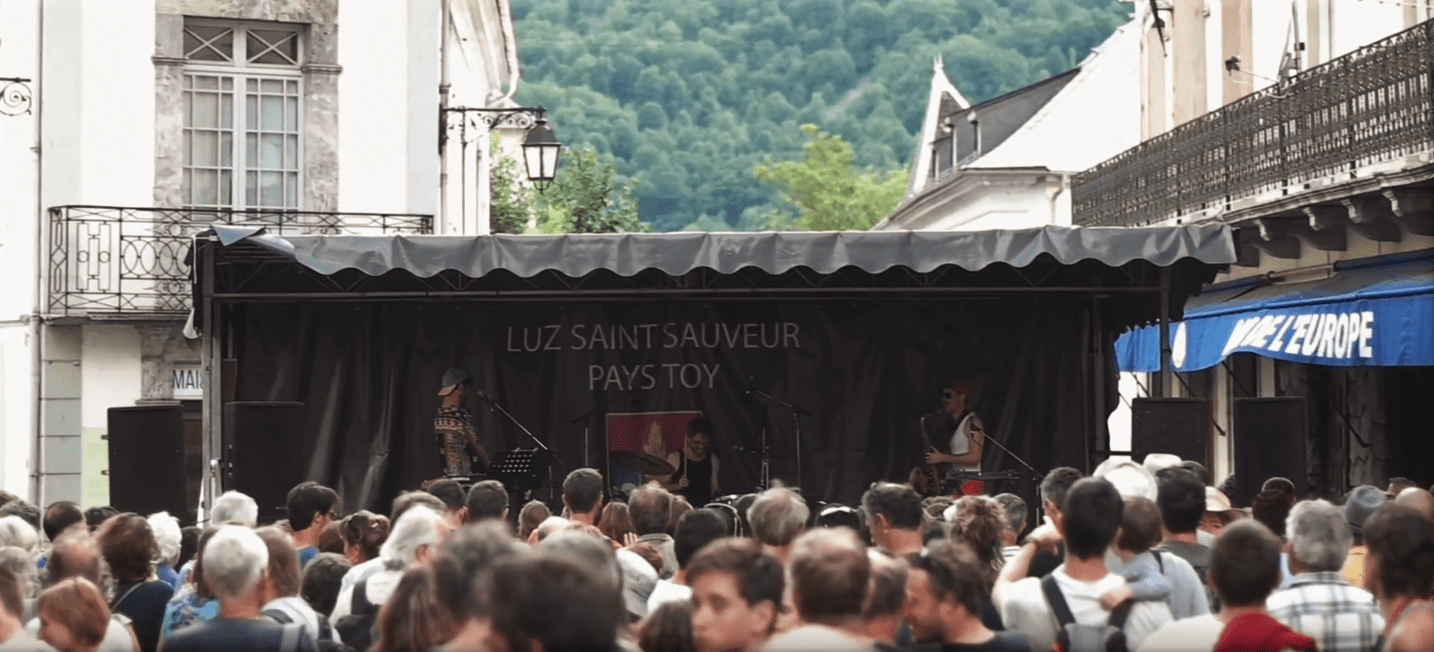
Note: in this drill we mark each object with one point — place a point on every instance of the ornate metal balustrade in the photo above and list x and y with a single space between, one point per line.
1371 106
114 261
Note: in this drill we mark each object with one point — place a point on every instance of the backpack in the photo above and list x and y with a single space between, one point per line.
357 629
1075 637
326 642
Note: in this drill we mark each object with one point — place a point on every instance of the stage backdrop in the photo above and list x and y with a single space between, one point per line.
865 371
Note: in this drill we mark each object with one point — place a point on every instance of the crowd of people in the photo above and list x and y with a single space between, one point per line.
1137 557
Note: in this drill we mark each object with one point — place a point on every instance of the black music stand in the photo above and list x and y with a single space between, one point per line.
521 467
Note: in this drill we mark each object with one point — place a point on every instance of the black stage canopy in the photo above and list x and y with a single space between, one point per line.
595 342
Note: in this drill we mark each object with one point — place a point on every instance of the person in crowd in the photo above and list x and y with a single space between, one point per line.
281 590
680 508
413 619
883 612
1140 533
1087 523
97 515
978 521
777 516
830 573
13 637
1218 514
651 508
232 507
1397 485
1181 499
839 516
363 534
697 529
668 629
26 512
1279 484
73 616
21 562
894 517
129 548
487 500
1135 560
415 539
552 525
1361 504
331 539
1014 507
409 499
322 578
455 501
737 592
1053 494
743 505
235 562
1397 572
14 531
582 495
616 523
1319 603
543 616
1244 570
194 603
1417 499
311 507
167 536
944 593
1272 508
59 516
459 572
533 514
76 554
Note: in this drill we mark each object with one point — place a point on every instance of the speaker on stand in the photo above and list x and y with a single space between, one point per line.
263 452
146 460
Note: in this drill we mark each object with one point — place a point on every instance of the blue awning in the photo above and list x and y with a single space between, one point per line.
1377 313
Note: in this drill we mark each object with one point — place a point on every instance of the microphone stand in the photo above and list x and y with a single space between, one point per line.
796 421
497 407
1014 456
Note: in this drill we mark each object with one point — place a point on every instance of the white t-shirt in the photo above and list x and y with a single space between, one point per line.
1196 634
816 638
667 591
1024 609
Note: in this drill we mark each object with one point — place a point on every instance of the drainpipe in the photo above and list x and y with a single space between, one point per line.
444 83
36 326
1061 182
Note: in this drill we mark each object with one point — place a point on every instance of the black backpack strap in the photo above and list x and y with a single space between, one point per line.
1120 615
1057 601
278 616
1158 561
360 605
289 639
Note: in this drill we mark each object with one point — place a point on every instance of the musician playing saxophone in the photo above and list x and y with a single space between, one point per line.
966 441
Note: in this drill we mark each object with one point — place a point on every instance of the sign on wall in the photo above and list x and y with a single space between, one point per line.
188 382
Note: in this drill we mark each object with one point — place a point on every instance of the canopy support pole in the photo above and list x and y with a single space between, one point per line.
1162 388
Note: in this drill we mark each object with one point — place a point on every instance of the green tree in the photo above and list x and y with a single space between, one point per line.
509 209
586 198
826 191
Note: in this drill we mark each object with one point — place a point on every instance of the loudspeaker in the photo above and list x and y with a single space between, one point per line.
146 458
264 453
1269 441
1178 426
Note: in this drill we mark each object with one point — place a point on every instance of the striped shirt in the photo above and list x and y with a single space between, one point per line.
1323 606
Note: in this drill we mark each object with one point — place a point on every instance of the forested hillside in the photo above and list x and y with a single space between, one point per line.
689 96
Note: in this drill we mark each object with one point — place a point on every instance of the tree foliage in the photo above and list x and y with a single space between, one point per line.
826 191
689 97
585 198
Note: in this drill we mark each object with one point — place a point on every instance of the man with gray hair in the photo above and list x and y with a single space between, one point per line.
236 508
1016 512
235 561
651 509
778 516
1319 603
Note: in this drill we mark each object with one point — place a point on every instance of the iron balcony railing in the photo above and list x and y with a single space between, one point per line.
1370 106
115 261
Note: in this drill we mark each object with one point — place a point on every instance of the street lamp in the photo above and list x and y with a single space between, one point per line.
541 148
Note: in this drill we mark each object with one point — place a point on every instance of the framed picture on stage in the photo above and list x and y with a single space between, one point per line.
653 433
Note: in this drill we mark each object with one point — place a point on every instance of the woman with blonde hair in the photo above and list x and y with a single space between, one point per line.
73 616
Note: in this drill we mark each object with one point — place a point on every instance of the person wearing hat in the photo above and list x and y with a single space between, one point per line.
1363 501
966 440
455 430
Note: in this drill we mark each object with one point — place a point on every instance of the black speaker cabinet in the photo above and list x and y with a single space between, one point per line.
1178 426
146 458
1270 438
264 456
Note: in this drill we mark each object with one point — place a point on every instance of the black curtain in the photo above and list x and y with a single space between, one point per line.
865 369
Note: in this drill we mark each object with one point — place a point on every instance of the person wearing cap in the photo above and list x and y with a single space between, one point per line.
1362 503
454 427
966 441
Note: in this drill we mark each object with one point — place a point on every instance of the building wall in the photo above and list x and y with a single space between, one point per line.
110 377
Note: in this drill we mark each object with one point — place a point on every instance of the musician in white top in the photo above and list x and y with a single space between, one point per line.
967 440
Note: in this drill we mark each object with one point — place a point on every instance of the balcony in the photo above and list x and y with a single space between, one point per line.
1349 130
114 262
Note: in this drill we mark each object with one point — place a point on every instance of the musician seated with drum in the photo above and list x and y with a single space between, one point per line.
695 467
966 441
